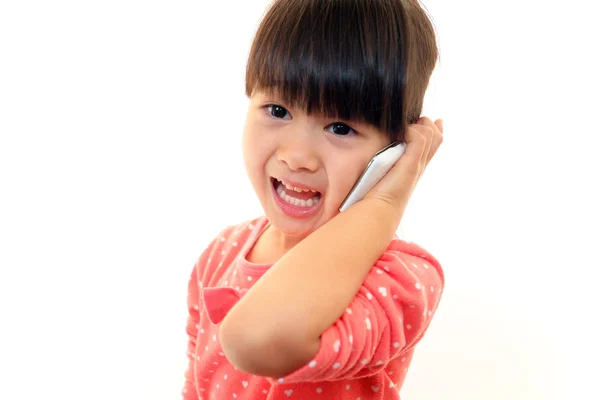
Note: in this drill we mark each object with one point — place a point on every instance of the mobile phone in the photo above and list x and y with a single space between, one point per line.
379 165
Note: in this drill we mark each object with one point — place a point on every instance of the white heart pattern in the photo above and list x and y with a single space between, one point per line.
336 346
244 384
288 392
375 389
383 291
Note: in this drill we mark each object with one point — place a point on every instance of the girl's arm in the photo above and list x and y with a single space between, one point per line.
276 327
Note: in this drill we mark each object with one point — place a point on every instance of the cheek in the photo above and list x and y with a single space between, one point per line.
345 177
255 154
249 141
347 172
247 149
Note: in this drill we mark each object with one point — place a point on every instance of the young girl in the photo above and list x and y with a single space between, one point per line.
307 302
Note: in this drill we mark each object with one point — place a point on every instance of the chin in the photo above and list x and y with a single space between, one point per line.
294 228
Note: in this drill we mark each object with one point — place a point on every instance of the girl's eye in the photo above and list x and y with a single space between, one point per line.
341 129
277 111
336 128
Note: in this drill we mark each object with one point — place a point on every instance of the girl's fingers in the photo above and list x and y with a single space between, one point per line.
416 145
427 133
440 125
435 129
422 141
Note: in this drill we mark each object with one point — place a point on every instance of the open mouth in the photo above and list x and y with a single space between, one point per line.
299 197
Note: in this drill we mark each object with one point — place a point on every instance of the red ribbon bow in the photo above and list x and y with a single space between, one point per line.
218 301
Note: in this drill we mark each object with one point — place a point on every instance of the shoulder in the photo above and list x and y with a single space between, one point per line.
231 237
403 253
408 274
239 231
222 248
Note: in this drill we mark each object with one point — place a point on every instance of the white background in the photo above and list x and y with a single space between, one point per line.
120 125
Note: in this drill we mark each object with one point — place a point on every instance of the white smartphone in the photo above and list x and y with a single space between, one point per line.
381 163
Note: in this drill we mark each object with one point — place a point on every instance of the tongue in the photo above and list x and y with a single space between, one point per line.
299 195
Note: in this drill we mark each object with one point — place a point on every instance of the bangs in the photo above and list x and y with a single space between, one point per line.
338 59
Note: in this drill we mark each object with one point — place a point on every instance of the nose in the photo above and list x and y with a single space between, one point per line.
299 151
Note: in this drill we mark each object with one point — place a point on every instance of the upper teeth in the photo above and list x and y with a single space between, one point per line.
299 190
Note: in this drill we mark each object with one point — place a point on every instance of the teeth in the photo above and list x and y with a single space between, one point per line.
294 201
299 190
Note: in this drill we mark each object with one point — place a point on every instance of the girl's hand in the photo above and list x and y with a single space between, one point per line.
395 189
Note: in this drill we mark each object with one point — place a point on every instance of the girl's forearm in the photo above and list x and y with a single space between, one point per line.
307 290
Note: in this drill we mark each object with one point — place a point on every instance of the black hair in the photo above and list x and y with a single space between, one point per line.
356 60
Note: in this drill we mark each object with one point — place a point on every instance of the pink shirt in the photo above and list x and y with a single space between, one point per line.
364 355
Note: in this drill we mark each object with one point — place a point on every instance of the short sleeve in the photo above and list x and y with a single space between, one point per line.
386 319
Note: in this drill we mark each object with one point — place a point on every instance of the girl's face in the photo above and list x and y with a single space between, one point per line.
302 167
